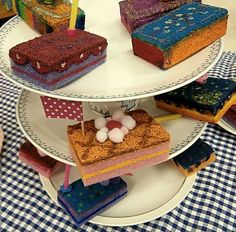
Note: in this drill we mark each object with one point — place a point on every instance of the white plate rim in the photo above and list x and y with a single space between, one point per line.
132 220
30 135
215 53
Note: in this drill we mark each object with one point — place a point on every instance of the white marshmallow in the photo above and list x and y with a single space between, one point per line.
101 136
117 115
100 122
116 135
128 122
104 129
124 130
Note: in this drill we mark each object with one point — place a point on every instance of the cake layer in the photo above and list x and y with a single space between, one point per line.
122 161
179 34
195 158
123 168
83 203
55 80
46 18
207 102
135 13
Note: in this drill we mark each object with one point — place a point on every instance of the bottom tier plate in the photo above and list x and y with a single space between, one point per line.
152 192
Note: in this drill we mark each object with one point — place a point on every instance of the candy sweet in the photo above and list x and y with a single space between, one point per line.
145 145
53 60
46 16
179 34
195 158
83 203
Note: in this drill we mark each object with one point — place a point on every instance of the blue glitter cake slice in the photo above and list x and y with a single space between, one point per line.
179 34
195 158
207 102
84 203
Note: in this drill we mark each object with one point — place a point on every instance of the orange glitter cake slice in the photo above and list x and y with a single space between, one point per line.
146 145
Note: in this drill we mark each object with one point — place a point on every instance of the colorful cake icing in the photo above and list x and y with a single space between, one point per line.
83 203
48 15
230 116
135 13
195 158
38 161
55 59
179 34
207 102
145 145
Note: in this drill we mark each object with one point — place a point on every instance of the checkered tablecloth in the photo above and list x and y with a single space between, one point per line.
25 206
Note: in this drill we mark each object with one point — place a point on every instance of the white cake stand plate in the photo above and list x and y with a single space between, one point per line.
152 192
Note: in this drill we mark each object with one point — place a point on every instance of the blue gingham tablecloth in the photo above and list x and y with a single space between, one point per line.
210 205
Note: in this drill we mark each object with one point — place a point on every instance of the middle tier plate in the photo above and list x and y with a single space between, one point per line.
49 135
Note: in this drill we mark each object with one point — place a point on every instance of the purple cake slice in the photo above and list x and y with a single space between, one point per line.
135 13
53 60
83 203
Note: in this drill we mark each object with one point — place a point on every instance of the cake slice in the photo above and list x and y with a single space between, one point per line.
195 158
56 59
42 164
145 145
207 102
83 203
179 34
46 16
135 13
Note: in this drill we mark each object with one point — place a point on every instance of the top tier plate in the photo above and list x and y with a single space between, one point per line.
123 76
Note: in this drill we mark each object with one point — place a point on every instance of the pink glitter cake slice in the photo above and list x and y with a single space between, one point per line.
42 164
56 59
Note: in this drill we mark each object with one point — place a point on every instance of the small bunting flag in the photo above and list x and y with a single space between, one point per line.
59 108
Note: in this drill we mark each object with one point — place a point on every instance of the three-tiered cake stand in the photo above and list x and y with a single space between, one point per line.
123 77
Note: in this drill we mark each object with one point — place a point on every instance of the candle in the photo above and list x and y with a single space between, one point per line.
167 118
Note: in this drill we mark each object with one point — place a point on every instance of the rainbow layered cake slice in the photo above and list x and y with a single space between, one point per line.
48 15
179 34
83 203
195 158
38 161
116 146
55 59
207 102
135 13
